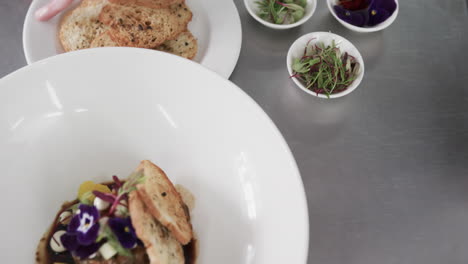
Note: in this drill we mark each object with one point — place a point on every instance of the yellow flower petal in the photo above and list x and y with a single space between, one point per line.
89 186
85 187
102 188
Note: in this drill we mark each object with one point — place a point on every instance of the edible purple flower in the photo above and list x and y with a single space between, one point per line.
358 18
123 229
377 12
380 10
82 232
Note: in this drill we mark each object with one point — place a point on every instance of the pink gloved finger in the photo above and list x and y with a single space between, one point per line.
51 9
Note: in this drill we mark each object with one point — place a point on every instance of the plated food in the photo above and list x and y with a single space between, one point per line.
143 219
74 126
152 24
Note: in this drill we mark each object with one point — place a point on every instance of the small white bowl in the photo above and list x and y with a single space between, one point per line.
375 28
252 8
297 50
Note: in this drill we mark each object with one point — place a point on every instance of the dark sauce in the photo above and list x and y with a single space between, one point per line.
191 252
45 254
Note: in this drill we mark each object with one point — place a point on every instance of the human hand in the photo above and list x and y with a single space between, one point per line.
51 9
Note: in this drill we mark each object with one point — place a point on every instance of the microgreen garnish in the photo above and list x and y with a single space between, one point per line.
325 69
122 192
117 181
130 185
281 11
108 197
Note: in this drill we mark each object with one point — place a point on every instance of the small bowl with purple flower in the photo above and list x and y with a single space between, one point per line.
364 15
281 14
325 65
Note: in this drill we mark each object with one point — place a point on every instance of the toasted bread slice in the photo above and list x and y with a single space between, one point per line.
161 246
137 26
148 3
80 26
164 202
104 40
185 45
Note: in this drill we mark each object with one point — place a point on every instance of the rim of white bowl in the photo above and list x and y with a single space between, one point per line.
337 38
292 160
375 28
304 19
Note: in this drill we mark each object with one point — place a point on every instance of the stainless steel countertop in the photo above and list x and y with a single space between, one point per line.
386 167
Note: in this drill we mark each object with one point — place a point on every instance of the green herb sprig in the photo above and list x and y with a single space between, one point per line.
130 185
325 69
281 11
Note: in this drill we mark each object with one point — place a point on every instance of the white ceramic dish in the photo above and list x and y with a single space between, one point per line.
375 28
59 127
297 49
252 8
219 34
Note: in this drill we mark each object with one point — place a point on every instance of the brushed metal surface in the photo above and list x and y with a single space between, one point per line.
386 167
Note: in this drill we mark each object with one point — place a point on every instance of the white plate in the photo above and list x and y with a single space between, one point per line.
59 128
215 24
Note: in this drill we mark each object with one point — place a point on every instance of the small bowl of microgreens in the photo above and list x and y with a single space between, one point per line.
325 65
281 14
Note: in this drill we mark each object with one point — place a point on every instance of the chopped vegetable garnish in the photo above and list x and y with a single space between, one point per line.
325 69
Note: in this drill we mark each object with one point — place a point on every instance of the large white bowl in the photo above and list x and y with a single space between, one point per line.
94 113
375 28
252 8
297 51
218 33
